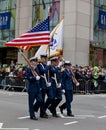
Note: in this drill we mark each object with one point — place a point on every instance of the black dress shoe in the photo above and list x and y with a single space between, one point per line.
55 115
61 110
70 114
33 118
44 116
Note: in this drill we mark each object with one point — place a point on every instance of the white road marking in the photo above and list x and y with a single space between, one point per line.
102 95
68 117
85 115
76 116
100 117
24 117
1 125
14 128
36 129
69 123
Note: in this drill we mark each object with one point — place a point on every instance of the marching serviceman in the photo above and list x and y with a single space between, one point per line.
45 85
33 88
55 79
67 88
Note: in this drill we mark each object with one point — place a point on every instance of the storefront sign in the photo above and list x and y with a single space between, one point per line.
102 19
5 20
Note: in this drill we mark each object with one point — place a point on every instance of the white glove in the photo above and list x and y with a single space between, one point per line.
78 84
63 91
60 64
59 85
37 77
49 63
49 84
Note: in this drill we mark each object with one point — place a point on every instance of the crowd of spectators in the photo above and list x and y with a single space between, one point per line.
13 74
91 79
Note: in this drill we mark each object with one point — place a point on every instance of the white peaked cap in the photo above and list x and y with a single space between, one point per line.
67 63
33 59
54 58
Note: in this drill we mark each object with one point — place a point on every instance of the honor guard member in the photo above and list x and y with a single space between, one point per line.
55 79
45 85
33 89
67 88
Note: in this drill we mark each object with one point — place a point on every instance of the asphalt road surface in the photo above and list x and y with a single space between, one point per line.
89 111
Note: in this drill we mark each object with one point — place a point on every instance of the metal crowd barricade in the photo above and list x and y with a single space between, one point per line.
13 83
88 87
81 87
2 81
85 87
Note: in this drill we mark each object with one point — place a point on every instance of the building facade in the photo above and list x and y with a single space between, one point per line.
7 30
84 38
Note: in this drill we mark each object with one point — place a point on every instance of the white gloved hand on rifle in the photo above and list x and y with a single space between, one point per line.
60 64
78 84
37 77
63 91
49 63
49 84
59 85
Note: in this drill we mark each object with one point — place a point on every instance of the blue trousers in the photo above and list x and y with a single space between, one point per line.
46 102
69 99
34 106
57 97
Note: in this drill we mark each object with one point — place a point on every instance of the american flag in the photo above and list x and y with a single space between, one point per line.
38 35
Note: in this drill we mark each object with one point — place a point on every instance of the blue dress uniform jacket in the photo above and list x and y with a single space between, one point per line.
57 95
33 92
67 82
43 70
54 71
67 85
33 84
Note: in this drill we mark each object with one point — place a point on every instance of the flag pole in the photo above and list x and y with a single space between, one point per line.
49 30
28 62
48 73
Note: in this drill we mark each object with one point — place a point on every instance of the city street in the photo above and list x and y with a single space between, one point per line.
50 45
89 111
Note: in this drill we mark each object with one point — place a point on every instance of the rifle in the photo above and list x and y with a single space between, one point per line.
47 83
55 80
74 79
58 85
44 76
